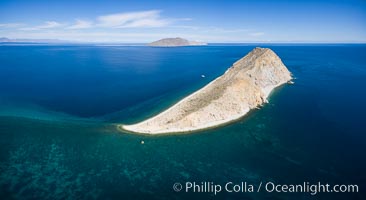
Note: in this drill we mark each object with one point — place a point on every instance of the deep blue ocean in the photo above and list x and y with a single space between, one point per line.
59 106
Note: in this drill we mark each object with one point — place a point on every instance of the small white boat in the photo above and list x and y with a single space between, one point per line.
203 76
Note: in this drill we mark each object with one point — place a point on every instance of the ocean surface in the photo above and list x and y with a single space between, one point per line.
59 106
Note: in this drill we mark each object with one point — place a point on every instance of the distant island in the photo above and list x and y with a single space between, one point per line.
175 42
244 86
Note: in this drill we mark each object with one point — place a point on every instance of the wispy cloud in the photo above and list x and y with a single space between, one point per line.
10 25
81 24
46 25
142 19
50 24
139 19
139 26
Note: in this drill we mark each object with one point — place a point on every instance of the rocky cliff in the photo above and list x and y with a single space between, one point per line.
244 86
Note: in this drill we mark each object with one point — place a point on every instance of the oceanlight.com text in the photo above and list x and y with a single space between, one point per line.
270 187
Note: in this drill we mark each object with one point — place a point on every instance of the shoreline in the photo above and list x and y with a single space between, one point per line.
122 127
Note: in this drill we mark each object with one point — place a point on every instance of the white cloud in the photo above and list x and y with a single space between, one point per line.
139 19
142 19
50 24
46 25
81 24
105 29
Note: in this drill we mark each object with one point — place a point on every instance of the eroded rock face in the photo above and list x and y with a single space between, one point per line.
175 42
244 86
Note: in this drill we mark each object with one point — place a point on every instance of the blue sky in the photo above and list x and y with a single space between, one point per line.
210 21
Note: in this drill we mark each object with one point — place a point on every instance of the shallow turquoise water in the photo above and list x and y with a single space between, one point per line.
59 104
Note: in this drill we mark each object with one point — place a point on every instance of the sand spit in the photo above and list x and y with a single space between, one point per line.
244 86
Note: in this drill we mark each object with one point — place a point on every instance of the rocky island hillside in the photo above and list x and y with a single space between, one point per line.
244 86
175 42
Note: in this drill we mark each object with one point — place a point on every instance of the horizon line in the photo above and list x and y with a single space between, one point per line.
143 43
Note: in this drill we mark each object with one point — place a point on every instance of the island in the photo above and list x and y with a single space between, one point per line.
244 86
175 42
